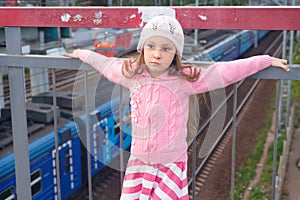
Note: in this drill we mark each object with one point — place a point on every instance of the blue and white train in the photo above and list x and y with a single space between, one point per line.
232 47
104 147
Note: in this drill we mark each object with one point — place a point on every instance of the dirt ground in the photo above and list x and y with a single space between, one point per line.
250 121
259 168
292 181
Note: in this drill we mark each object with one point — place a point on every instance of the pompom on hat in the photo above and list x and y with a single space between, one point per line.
164 26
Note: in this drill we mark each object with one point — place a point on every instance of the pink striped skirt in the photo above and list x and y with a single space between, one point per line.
155 181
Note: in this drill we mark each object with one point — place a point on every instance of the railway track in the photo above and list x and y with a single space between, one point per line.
63 79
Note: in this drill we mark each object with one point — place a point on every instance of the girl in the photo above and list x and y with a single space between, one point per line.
160 86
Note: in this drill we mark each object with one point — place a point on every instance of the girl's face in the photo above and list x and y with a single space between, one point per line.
159 53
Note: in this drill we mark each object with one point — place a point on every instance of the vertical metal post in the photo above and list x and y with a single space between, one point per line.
256 38
18 116
284 38
284 44
233 141
291 52
196 30
194 167
281 116
2 98
88 138
57 168
121 138
274 174
284 104
289 82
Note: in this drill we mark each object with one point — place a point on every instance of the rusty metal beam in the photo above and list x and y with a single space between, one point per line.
235 18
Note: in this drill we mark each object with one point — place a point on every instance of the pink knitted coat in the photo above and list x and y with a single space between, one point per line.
159 106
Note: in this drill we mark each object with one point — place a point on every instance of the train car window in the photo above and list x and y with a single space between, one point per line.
65 136
98 115
105 134
96 140
36 182
230 50
67 160
117 126
110 39
96 134
8 194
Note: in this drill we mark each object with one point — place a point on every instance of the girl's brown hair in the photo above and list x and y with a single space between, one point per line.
186 71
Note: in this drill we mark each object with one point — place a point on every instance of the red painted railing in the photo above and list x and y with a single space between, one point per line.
252 18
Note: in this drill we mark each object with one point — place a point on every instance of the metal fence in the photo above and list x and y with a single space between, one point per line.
236 18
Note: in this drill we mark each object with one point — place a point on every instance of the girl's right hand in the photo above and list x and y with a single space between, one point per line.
72 55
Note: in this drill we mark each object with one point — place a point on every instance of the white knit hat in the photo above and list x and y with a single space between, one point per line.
165 26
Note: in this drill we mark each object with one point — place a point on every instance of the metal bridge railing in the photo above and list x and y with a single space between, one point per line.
237 18
16 63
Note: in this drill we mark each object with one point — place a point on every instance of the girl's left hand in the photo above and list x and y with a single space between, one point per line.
281 63
72 55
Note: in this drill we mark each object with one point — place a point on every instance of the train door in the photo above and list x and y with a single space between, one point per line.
70 172
97 136
100 143
66 169
101 135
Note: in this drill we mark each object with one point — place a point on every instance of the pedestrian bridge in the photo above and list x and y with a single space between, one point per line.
13 19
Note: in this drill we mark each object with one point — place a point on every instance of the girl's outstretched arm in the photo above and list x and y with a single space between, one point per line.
110 67
222 74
